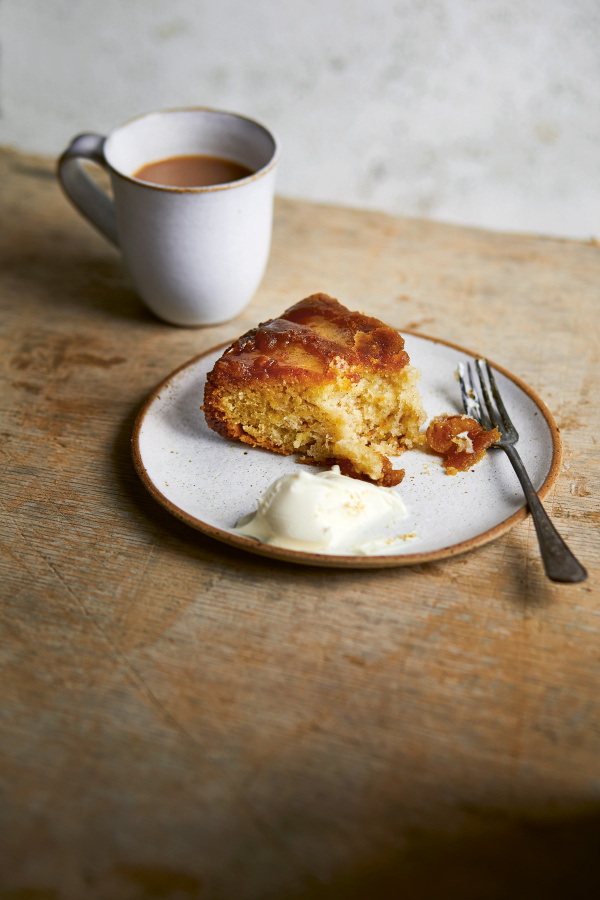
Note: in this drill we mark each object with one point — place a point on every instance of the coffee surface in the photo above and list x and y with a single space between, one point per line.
192 171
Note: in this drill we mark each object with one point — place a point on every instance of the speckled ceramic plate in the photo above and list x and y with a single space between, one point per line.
210 482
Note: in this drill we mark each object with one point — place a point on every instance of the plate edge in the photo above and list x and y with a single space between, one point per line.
333 561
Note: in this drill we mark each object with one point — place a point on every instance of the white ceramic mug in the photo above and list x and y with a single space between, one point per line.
197 254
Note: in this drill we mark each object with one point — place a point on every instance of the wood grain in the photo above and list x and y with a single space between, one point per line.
182 720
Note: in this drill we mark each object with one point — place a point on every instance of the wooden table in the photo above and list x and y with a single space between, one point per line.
181 719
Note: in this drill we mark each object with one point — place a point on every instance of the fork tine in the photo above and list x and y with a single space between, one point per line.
480 399
493 420
506 420
469 397
482 416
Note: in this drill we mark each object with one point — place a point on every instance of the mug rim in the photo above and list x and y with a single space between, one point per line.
199 189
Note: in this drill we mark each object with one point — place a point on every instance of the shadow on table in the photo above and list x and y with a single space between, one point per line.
71 271
499 856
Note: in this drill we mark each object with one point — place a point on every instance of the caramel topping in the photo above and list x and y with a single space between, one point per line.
301 345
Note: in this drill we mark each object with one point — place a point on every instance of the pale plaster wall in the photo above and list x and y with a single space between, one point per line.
482 112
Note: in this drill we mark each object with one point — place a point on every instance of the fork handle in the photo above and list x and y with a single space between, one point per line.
559 562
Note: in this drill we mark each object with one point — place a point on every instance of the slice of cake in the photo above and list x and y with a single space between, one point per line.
331 385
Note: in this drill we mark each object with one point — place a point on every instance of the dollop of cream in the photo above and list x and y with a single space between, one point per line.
302 511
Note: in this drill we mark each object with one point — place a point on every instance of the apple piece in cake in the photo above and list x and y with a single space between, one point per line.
461 440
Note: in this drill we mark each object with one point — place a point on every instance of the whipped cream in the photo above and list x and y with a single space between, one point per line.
319 512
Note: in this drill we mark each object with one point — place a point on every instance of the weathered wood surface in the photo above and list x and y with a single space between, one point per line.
180 719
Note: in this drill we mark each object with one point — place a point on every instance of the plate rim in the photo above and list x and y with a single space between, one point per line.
326 560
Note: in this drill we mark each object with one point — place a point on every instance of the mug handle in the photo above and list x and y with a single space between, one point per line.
86 196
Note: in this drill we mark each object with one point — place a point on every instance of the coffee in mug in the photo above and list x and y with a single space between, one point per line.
196 251
192 171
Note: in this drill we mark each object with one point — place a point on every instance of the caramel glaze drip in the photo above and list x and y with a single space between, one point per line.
299 346
443 437
390 477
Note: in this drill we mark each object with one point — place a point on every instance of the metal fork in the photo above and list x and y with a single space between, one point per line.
559 562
